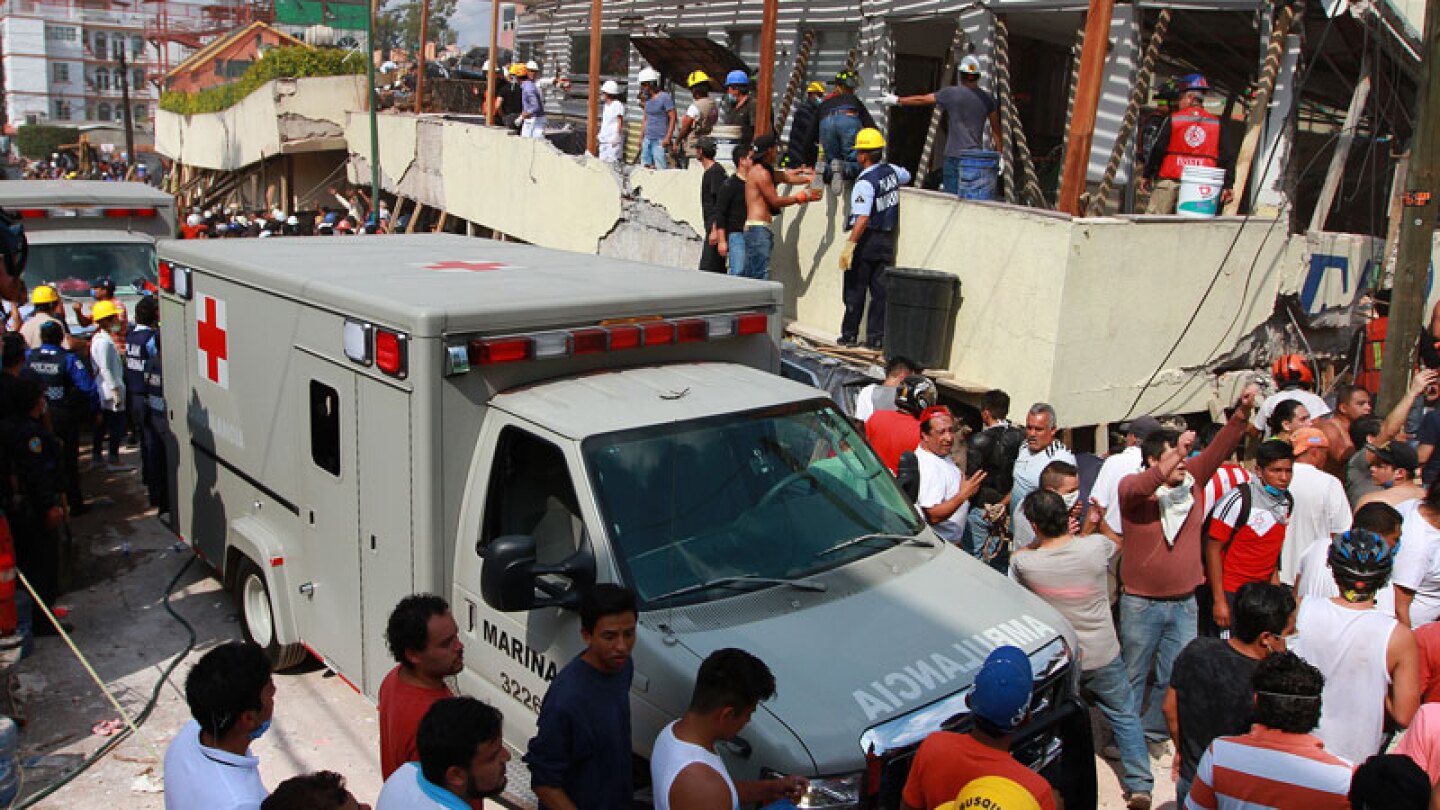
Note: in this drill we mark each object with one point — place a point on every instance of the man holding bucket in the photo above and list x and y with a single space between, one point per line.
1189 139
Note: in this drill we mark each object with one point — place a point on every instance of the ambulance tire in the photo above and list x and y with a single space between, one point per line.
257 618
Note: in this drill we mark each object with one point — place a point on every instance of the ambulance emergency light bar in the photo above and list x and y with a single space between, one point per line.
89 213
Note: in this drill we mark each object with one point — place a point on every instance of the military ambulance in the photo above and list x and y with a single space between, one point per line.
359 419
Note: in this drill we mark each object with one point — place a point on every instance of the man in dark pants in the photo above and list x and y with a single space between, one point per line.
156 429
874 215
70 397
710 184
139 343
38 512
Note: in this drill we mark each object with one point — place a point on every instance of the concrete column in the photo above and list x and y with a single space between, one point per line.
1273 156
1120 66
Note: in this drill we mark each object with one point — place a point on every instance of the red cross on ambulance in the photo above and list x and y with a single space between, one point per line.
212 340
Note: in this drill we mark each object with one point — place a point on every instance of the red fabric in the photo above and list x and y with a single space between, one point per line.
892 433
401 707
188 231
1252 556
947 762
1194 141
1428 637
1370 355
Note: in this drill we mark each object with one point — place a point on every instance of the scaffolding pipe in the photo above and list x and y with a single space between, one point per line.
1138 94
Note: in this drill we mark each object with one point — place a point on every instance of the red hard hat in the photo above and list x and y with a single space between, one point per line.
1291 369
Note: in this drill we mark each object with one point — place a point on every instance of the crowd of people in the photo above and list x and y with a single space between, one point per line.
1212 557
351 214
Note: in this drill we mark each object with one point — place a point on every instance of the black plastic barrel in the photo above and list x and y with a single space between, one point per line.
920 314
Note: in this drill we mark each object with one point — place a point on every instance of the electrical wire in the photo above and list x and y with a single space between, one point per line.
140 719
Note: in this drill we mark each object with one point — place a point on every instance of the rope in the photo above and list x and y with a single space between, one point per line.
1012 133
1138 94
956 43
797 77
1075 51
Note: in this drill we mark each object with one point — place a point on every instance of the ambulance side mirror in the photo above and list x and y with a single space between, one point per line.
510 576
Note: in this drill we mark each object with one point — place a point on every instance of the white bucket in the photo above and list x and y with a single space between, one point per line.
1200 188
726 137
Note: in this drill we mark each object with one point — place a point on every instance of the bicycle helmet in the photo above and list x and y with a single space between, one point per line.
1291 370
1361 563
914 394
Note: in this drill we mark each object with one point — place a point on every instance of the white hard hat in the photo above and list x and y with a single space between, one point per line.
970 65
192 220
649 75
292 220
610 88
531 65
485 66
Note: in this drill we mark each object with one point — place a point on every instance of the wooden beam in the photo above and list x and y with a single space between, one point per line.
592 129
420 57
1255 124
1087 103
494 62
1342 152
440 226
415 217
766 85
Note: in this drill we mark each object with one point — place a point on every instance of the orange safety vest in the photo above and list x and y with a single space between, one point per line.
1194 141
1370 354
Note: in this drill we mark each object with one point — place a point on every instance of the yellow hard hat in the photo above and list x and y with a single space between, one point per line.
992 793
869 138
44 294
104 309
518 69
814 87
697 77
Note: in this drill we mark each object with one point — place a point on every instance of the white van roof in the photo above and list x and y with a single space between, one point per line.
81 193
441 284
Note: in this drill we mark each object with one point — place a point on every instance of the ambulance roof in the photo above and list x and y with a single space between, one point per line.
22 193
436 284
89 235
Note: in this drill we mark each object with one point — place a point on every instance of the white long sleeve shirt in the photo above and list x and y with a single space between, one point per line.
109 371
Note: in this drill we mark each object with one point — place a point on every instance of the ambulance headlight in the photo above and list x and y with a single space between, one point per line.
828 791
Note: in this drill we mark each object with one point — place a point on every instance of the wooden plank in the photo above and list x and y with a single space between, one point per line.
1342 152
1261 107
440 226
1087 103
415 217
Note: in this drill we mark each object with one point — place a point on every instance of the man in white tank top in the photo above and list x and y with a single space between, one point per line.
685 771
1370 661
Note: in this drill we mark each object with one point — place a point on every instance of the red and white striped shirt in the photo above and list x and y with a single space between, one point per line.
1270 769
1226 478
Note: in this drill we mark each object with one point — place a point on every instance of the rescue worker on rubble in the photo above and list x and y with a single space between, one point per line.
839 118
699 118
532 103
968 109
1192 136
804 152
739 108
658 127
874 216
71 399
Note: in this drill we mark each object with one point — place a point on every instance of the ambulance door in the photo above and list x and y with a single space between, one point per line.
512 657
328 601
386 562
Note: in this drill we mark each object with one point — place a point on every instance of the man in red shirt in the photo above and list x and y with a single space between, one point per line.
947 761
1246 530
893 433
425 641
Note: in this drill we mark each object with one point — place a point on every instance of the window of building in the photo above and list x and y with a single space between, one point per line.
102 44
137 47
140 113
103 111
89 111
614 54
325 427
102 79
60 33
60 109
137 78
60 72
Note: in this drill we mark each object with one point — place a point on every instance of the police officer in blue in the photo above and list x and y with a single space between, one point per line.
147 398
71 399
37 512
870 250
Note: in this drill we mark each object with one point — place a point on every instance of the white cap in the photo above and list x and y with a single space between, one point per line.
485 66
610 88
292 220
649 75
192 220
532 66
970 65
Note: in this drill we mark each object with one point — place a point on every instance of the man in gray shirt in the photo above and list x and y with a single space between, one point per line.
967 109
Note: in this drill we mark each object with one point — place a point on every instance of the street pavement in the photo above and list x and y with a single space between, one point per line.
125 559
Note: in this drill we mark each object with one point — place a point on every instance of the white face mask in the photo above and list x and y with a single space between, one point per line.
1071 499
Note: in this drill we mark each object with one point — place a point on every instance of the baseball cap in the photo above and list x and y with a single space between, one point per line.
764 143
1002 688
1143 426
1306 438
992 793
1396 454
103 283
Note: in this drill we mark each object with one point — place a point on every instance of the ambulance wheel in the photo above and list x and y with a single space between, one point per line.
257 618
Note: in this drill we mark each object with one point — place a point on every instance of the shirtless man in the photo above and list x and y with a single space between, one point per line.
762 203
1393 470
1351 403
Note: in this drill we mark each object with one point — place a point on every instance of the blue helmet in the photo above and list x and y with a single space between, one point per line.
1194 81
737 78
1361 561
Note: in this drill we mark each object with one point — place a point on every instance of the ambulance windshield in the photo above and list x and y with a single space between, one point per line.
709 508
72 268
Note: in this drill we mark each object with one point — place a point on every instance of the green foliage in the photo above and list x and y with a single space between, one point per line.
276 63
398 23
41 140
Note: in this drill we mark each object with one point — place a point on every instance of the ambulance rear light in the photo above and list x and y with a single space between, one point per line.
129 212
33 213
356 335
174 278
91 212
602 339
167 277
392 352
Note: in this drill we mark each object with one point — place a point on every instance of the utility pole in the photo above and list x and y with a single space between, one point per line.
372 97
592 128
130 157
420 56
1087 102
493 62
766 83
1417 228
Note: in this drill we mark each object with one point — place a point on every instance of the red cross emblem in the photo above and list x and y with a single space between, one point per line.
212 340
473 267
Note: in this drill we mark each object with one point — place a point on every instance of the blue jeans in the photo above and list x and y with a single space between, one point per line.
1110 685
759 241
652 153
977 532
1182 790
837 135
1152 634
976 185
735 246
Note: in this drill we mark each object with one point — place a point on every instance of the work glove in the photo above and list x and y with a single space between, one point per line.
890 100
847 256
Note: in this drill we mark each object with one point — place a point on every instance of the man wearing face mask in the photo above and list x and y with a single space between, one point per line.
1063 479
1161 566
1247 528
209 763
